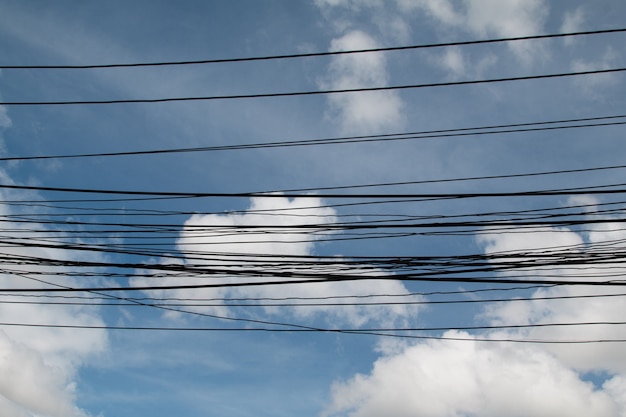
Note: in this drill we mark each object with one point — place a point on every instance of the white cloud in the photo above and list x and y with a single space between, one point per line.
505 18
455 378
5 120
485 17
442 10
39 366
28 383
212 234
490 18
460 65
608 357
352 4
447 378
595 84
365 112
616 388
454 62
509 19
572 22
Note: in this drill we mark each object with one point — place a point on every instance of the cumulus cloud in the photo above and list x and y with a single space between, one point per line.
489 378
505 18
365 112
212 240
28 384
598 239
446 378
39 366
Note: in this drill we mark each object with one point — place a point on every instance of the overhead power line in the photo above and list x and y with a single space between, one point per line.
340 330
311 92
325 279
316 54
384 332
428 134
600 189
322 301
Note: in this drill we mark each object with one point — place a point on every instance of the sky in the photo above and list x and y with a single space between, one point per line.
445 284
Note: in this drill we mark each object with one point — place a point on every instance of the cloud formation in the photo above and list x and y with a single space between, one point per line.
441 378
448 378
225 235
599 238
478 18
361 113
39 366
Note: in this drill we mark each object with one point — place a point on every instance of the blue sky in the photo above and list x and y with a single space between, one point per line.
54 372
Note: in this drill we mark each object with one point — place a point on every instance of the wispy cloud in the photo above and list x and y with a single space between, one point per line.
491 18
361 113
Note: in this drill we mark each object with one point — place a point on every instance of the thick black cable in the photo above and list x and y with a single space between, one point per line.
125 212
597 189
218 230
268 259
417 278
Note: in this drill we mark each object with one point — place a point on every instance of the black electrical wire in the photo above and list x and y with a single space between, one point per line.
276 261
429 134
596 189
317 54
128 302
299 298
371 332
312 92
433 277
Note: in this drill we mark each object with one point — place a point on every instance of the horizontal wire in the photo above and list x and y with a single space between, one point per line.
330 297
293 213
430 134
316 54
555 259
316 260
370 332
597 189
313 92
301 281
229 303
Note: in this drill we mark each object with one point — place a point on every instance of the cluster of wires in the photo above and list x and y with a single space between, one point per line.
210 258
82 234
